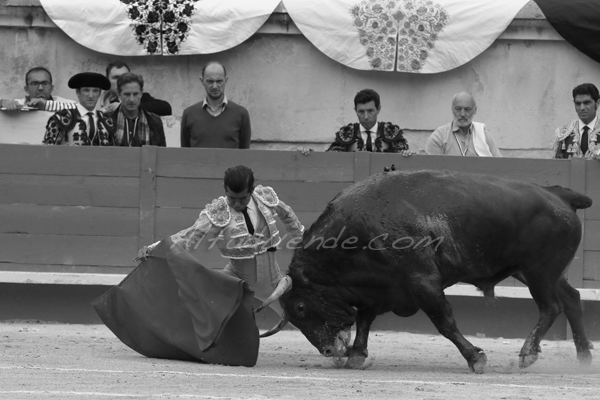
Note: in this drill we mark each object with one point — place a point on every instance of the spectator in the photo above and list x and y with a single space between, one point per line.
579 138
368 134
109 100
38 89
83 125
135 126
215 122
463 137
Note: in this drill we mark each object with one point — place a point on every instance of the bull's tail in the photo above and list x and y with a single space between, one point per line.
575 200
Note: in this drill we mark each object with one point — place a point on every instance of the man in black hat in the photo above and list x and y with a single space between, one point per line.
82 125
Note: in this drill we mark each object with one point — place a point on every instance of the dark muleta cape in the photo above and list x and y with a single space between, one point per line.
171 306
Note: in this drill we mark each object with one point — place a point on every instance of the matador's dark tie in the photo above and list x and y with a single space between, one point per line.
91 125
369 141
248 221
584 140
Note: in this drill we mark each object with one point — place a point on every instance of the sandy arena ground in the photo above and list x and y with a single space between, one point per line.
56 361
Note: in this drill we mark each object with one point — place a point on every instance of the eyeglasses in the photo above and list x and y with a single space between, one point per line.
37 83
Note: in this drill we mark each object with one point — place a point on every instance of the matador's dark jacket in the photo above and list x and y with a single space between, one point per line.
68 127
389 138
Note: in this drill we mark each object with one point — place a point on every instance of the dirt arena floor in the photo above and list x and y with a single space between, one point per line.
57 361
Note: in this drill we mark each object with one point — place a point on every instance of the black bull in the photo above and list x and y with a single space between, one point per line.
395 241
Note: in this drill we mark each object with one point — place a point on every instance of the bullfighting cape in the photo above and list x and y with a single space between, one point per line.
173 307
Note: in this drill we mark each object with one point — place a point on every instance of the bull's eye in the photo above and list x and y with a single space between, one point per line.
300 309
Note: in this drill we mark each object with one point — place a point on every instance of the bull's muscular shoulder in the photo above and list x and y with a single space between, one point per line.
218 212
266 195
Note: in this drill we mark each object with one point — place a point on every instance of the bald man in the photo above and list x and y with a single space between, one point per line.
463 137
215 122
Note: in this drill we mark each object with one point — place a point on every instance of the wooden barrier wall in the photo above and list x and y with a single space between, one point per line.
87 211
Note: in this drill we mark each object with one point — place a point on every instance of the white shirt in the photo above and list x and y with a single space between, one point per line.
253 212
83 111
220 107
591 125
374 129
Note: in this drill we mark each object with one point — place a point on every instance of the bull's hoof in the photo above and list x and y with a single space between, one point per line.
355 362
526 360
585 357
590 345
478 366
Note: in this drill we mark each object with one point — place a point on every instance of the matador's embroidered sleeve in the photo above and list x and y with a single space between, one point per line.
335 146
290 221
211 222
190 237
53 133
343 138
57 127
394 137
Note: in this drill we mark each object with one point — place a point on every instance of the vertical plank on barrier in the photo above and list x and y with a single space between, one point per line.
362 165
577 183
147 195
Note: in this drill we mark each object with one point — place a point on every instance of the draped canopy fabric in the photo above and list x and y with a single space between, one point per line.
419 36
578 21
159 27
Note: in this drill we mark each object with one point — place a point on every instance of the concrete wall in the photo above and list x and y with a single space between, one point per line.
297 94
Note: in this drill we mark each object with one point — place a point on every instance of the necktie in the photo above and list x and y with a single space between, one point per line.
248 221
369 142
584 140
91 127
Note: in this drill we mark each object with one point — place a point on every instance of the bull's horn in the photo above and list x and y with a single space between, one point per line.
284 285
283 322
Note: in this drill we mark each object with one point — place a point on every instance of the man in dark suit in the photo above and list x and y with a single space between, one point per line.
368 134
82 125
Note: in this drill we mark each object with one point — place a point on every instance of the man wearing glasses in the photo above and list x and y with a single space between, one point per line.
38 89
